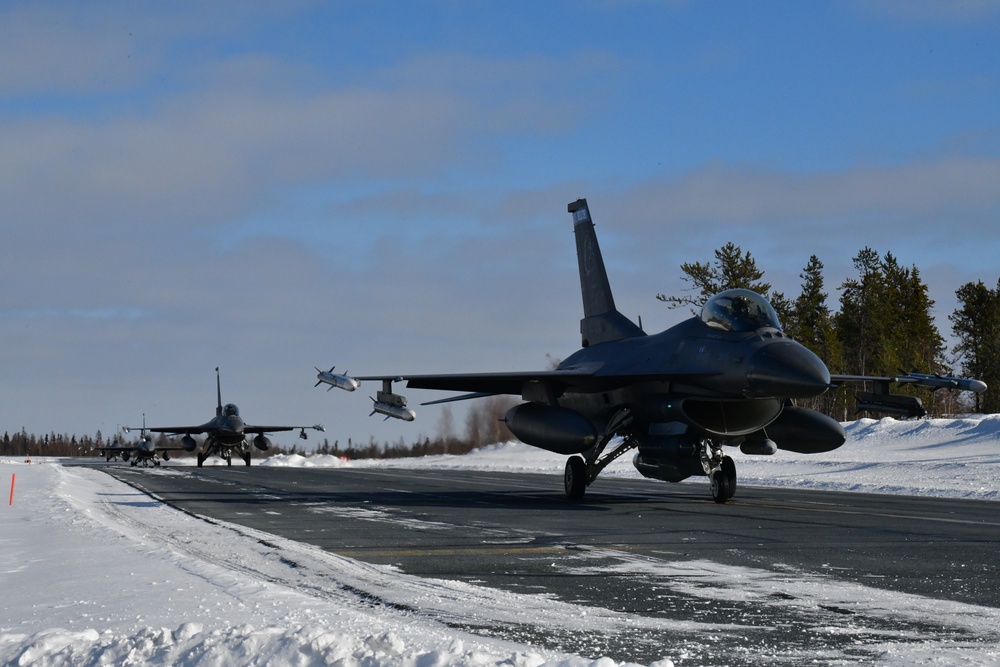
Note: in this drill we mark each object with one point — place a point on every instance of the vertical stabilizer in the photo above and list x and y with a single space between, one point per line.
601 320
218 392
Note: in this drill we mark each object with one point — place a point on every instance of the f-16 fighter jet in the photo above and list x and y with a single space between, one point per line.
727 377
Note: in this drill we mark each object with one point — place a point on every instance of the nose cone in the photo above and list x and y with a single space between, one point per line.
232 426
786 369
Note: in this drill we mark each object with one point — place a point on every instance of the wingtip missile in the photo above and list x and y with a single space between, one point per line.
948 382
977 386
335 380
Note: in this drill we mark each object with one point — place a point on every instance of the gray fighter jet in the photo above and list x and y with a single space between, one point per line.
726 377
226 432
143 452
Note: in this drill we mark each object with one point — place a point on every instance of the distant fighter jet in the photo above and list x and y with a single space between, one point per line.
727 377
227 432
143 452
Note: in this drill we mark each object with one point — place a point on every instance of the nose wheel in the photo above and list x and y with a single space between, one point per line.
723 480
721 471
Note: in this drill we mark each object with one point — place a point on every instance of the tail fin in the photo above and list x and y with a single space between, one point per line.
601 320
218 392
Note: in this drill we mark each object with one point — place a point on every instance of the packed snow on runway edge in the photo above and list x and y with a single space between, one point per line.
95 573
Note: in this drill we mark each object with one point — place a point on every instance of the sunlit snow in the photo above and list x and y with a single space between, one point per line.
93 572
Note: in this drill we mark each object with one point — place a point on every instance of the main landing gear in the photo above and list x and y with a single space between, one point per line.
720 469
575 477
226 454
580 471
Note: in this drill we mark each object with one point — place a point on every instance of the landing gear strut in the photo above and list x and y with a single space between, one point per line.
582 470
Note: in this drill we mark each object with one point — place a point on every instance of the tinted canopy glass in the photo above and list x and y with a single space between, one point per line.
739 310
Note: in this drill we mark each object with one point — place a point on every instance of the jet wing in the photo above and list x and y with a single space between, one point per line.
182 430
276 429
881 399
917 379
492 383
115 449
134 448
581 379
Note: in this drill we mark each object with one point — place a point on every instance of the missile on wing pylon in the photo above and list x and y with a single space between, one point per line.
392 405
405 414
339 381
948 382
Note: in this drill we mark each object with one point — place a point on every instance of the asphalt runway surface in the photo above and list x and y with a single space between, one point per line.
615 548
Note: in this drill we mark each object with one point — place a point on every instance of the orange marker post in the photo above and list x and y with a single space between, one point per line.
12 477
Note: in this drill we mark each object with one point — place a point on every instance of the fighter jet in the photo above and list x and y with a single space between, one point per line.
143 452
726 377
226 432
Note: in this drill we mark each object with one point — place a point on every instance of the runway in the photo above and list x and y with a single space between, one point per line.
777 563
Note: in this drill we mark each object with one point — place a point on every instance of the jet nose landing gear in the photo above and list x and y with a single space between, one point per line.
724 482
721 471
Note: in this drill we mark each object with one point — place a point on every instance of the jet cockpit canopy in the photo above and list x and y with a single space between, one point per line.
231 410
739 310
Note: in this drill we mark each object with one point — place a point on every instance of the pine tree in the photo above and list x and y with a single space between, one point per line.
810 315
860 301
976 325
919 345
885 325
811 323
732 269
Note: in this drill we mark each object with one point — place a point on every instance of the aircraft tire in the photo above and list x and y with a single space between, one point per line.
246 457
729 470
201 460
575 477
723 485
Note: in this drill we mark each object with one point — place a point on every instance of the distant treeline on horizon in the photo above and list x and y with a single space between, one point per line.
482 427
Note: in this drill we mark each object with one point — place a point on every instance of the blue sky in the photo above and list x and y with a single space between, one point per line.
383 185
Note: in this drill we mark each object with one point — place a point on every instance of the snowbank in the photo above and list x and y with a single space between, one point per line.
94 573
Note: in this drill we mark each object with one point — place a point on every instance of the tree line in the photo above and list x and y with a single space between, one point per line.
483 426
884 325
23 444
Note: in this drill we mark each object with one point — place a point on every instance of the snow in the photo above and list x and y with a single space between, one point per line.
93 572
